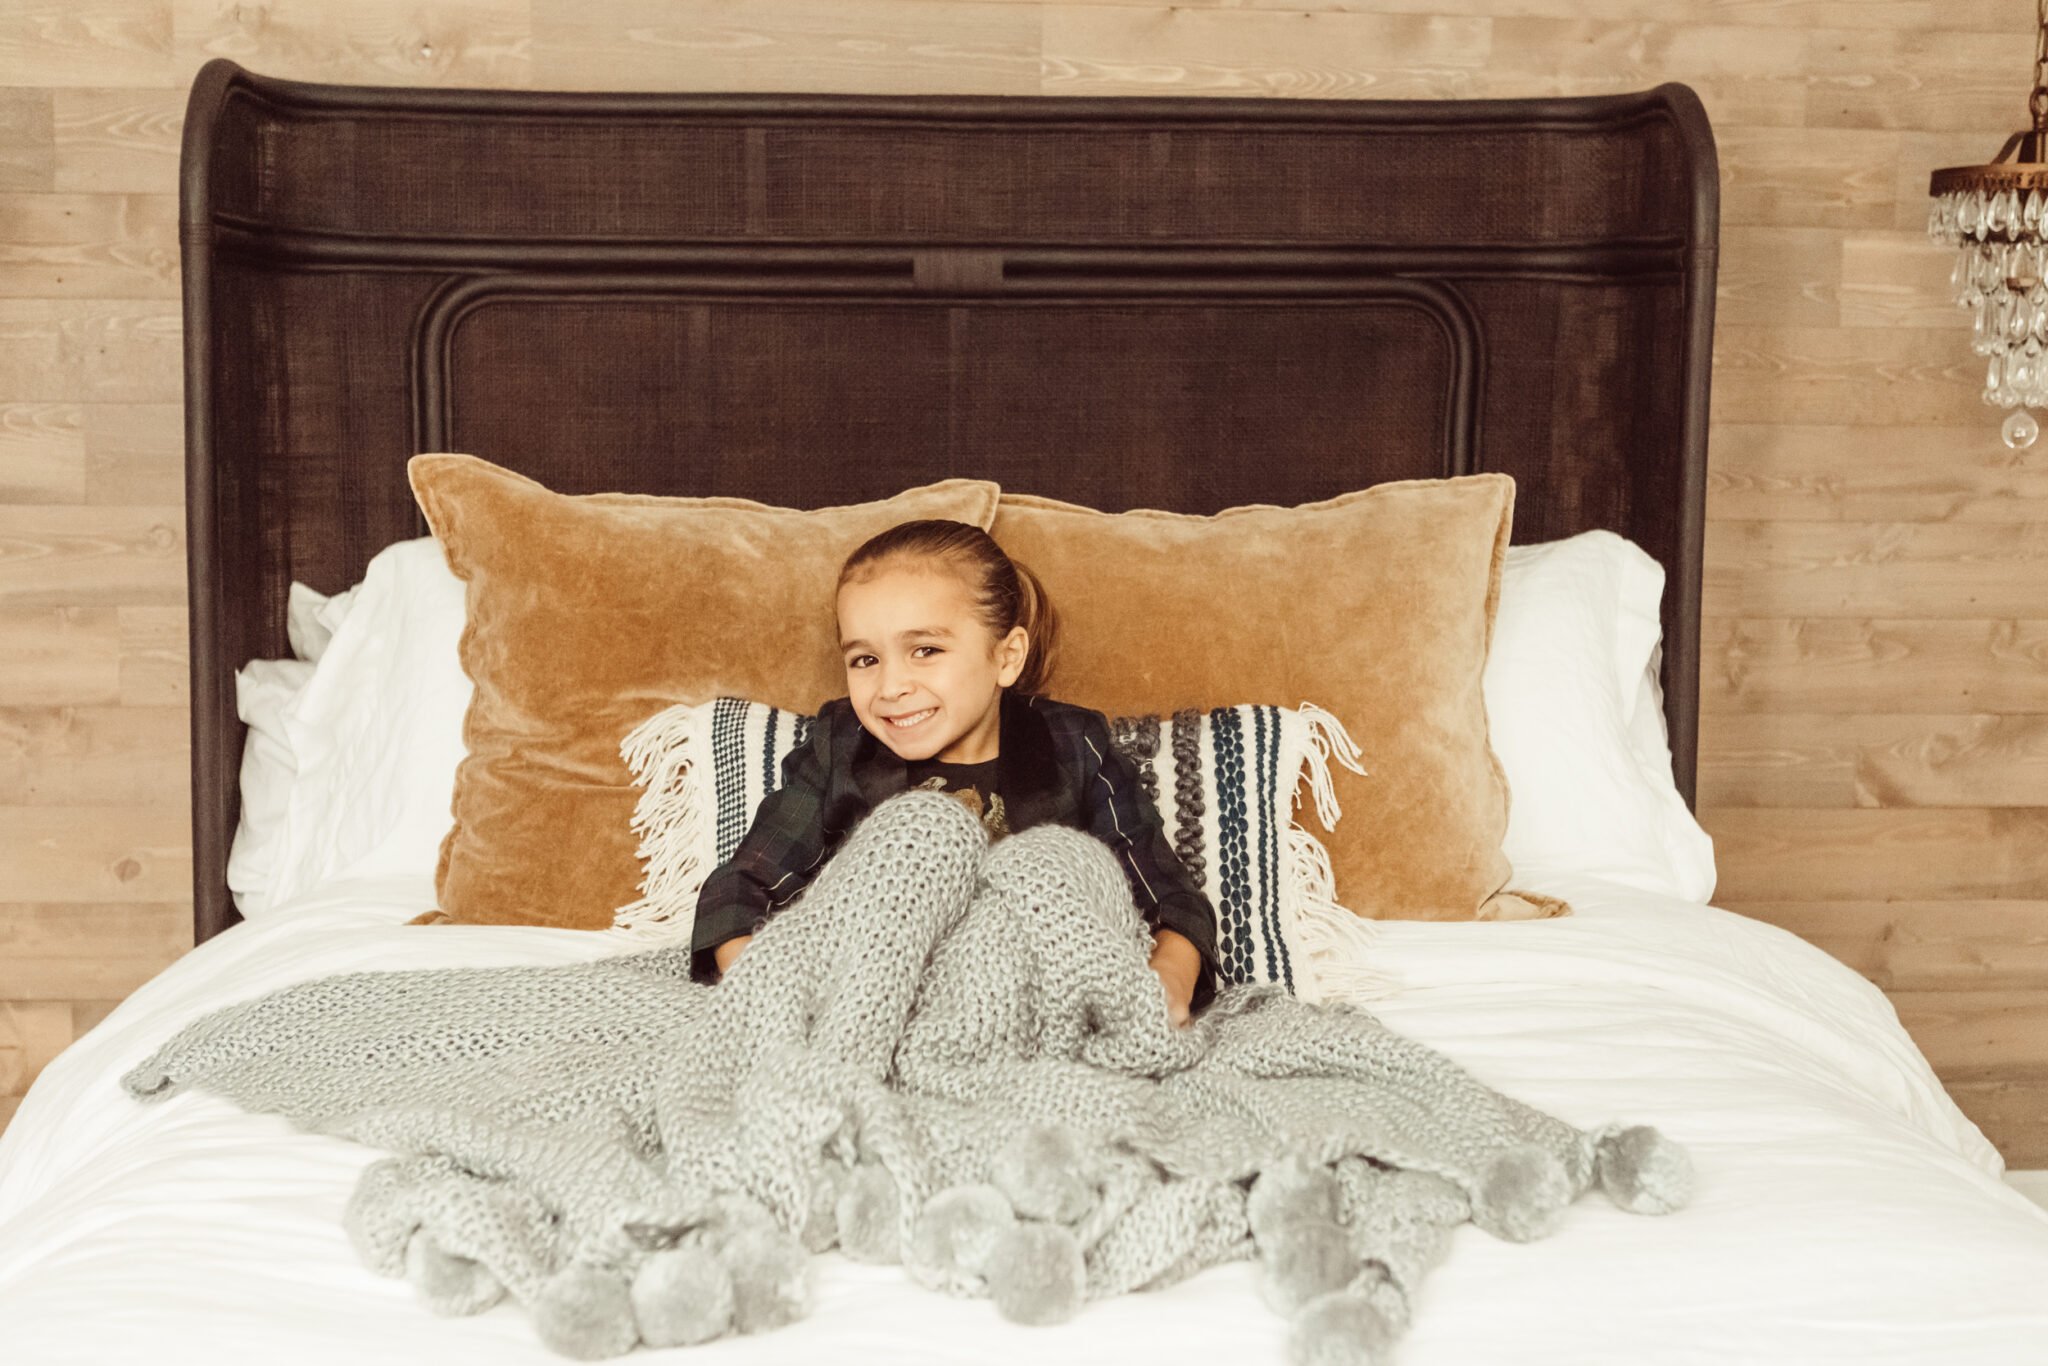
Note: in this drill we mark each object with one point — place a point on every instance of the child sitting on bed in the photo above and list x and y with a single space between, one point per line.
948 643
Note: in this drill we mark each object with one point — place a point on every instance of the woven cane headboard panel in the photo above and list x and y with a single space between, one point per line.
1176 303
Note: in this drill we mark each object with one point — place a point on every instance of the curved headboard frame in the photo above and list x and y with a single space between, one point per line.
809 299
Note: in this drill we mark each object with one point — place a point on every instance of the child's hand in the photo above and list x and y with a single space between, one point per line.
1178 964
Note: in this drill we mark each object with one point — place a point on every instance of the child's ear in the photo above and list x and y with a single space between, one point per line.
1011 652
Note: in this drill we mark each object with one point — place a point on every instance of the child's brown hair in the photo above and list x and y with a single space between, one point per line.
1007 594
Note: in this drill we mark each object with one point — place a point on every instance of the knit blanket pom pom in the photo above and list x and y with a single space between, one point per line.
1641 1170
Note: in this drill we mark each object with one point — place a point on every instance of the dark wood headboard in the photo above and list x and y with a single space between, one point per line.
1175 303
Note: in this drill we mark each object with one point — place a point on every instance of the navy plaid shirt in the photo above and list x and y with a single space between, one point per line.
1055 764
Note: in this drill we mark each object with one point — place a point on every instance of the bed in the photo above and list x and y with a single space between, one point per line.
899 289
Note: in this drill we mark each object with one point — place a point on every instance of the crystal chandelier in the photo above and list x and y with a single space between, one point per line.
1993 217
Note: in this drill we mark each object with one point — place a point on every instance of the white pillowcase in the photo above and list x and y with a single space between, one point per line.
349 765
312 618
377 731
263 688
1575 715
1648 734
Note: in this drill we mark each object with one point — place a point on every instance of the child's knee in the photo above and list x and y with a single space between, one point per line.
926 819
1062 841
1049 856
915 840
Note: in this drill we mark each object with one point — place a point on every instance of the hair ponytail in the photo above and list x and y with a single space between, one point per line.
1006 593
1041 625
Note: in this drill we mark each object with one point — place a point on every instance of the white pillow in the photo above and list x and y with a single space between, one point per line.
263 688
1576 718
312 618
377 731
1648 733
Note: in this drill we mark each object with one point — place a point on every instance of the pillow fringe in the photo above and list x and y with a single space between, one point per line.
1341 956
1309 887
1327 739
669 818
1337 947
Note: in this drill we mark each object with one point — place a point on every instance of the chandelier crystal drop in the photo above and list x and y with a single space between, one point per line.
1992 216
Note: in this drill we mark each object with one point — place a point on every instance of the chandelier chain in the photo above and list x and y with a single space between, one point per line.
2037 103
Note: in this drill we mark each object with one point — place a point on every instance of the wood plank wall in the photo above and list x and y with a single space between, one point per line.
1875 744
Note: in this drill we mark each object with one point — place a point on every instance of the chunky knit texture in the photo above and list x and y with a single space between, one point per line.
946 1054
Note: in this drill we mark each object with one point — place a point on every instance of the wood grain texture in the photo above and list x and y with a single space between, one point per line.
134 453
62 951
1751 77
1870 759
1884 569
155 657
366 42
1785 277
2006 1031
1882 854
1803 472
1952 946
94 555
1870 377
60 656
1808 177
97 853
87 42
1989 16
1875 674
1923 79
89 245
872 46
31 1033
94 756
1849 664
42 454
1896 279
2007 1104
1120 50
1923 152
92 350
28 143
116 141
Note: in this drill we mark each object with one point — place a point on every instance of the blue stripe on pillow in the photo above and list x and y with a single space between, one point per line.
1234 869
1277 965
799 737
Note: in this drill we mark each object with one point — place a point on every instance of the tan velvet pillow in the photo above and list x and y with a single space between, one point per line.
1378 605
586 614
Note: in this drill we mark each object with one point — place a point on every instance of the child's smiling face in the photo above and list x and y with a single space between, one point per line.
924 672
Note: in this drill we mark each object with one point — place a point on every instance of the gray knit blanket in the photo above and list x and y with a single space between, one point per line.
948 1055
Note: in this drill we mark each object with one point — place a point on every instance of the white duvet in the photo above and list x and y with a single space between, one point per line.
1846 1210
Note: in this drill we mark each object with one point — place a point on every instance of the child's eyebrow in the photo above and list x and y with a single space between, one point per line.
940 632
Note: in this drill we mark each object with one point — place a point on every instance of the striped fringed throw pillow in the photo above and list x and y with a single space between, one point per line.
1225 783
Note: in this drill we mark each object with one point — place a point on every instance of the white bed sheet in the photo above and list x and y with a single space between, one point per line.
1846 1211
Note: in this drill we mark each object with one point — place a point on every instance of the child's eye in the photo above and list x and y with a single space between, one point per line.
860 661
933 648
